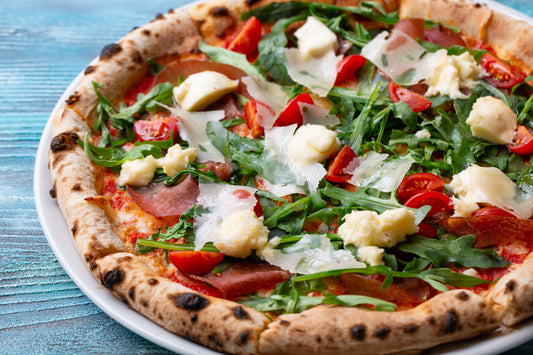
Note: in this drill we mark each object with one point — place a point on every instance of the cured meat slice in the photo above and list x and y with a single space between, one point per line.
489 230
165 201
243 278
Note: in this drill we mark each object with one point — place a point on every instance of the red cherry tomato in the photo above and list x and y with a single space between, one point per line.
413 27
416 102
501 74
195 262
418 182
243 194
426 230
439 202
292 113
156 130
246 39
493 211
254 112
522 142
443 36
336 169
348 66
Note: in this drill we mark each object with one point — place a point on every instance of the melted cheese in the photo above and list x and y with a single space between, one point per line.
367 228
492 120
139 172
312 144
315 39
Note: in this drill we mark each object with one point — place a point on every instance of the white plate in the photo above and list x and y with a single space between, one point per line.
59 237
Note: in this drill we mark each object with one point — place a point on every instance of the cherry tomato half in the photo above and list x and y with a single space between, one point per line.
195 262
492 211
336 169
438 201
418 182
522 142
246 39
156 130
426 230
292 113
416 102
348 66
501 74
254 112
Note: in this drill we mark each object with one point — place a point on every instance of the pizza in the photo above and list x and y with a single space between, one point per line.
308 177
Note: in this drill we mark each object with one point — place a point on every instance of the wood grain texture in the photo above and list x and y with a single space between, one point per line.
44 44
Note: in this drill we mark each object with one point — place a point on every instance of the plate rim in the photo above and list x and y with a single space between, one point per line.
56 231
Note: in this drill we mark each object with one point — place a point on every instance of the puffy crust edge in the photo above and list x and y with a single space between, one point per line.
219 324
447 317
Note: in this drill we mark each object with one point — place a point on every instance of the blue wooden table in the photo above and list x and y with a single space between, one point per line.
44 44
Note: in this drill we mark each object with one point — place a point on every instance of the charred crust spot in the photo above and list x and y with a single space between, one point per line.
160 16
510 286
382 333
450 322
72 99
76 187
251 2
137 57
74 228
131 293
90 69
358 332
171 11
92 265
431 320
240 313
144 303
124 259
112 277
318 339
219 11
64 141
110 51
152 281
194 318
284 323
410 328
53 192
123 299
146 32
191 301
242 338
213 338
463 296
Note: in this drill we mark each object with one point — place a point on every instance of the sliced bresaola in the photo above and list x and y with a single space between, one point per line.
489 230
165 201
243 278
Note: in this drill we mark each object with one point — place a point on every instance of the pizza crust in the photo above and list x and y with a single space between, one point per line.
454 315
224 325
219 324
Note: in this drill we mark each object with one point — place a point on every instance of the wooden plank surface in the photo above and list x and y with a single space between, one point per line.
44 44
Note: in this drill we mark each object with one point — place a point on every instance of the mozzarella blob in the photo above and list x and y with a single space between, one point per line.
492 120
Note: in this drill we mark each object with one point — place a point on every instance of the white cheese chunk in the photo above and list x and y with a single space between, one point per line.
492 120
371 255
311 254
315 38
423 134
240 233
201 89
312 144
139 172
176 159
490 185
367 228
448 75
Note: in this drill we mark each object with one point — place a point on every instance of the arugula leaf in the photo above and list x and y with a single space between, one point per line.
238 60
154 67
115 156
460 251
361 199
